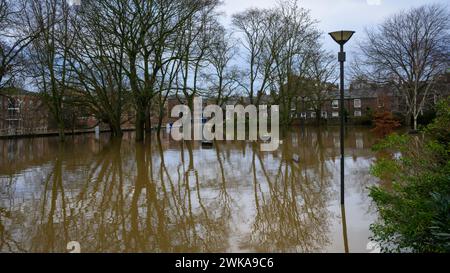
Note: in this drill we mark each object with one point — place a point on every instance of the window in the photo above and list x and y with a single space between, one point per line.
335 104
313 114
357 103
12 104
357 113
335 114
324 114
303 115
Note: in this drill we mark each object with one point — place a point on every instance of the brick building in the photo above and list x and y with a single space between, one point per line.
21 112
24 113
359 103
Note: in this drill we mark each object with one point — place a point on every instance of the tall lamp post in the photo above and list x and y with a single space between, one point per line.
341 37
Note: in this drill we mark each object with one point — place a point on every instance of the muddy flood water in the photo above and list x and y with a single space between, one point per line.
169 196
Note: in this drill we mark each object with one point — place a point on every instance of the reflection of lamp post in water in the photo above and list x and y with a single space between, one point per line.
344 228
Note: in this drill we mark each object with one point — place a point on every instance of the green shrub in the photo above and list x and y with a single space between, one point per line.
414 202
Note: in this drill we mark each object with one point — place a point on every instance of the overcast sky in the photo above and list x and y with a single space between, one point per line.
337 14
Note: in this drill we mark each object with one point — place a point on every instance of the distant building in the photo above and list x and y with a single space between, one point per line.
24 113
21 112
358 103
442 87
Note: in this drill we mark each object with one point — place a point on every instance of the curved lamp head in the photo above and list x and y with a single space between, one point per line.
342 36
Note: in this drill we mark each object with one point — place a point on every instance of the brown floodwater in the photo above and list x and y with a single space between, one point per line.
169 196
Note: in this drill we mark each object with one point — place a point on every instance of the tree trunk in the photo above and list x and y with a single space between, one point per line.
61 131
148 124
415 123
116 130
318 118
408 120
160 120
140 125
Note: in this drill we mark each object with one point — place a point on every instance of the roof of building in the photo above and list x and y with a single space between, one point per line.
361 93
13 91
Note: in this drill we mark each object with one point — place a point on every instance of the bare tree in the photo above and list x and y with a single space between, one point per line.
277 42
292 35
251 24
145 30
48 53
222 76
14 38
96 59
320 78
194 48
407 51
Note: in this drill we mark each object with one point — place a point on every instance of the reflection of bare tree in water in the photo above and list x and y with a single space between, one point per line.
291 214
224 198
198 226
147 216
118 202
120 196
39 221
62 214
48 229
7 242
40 228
